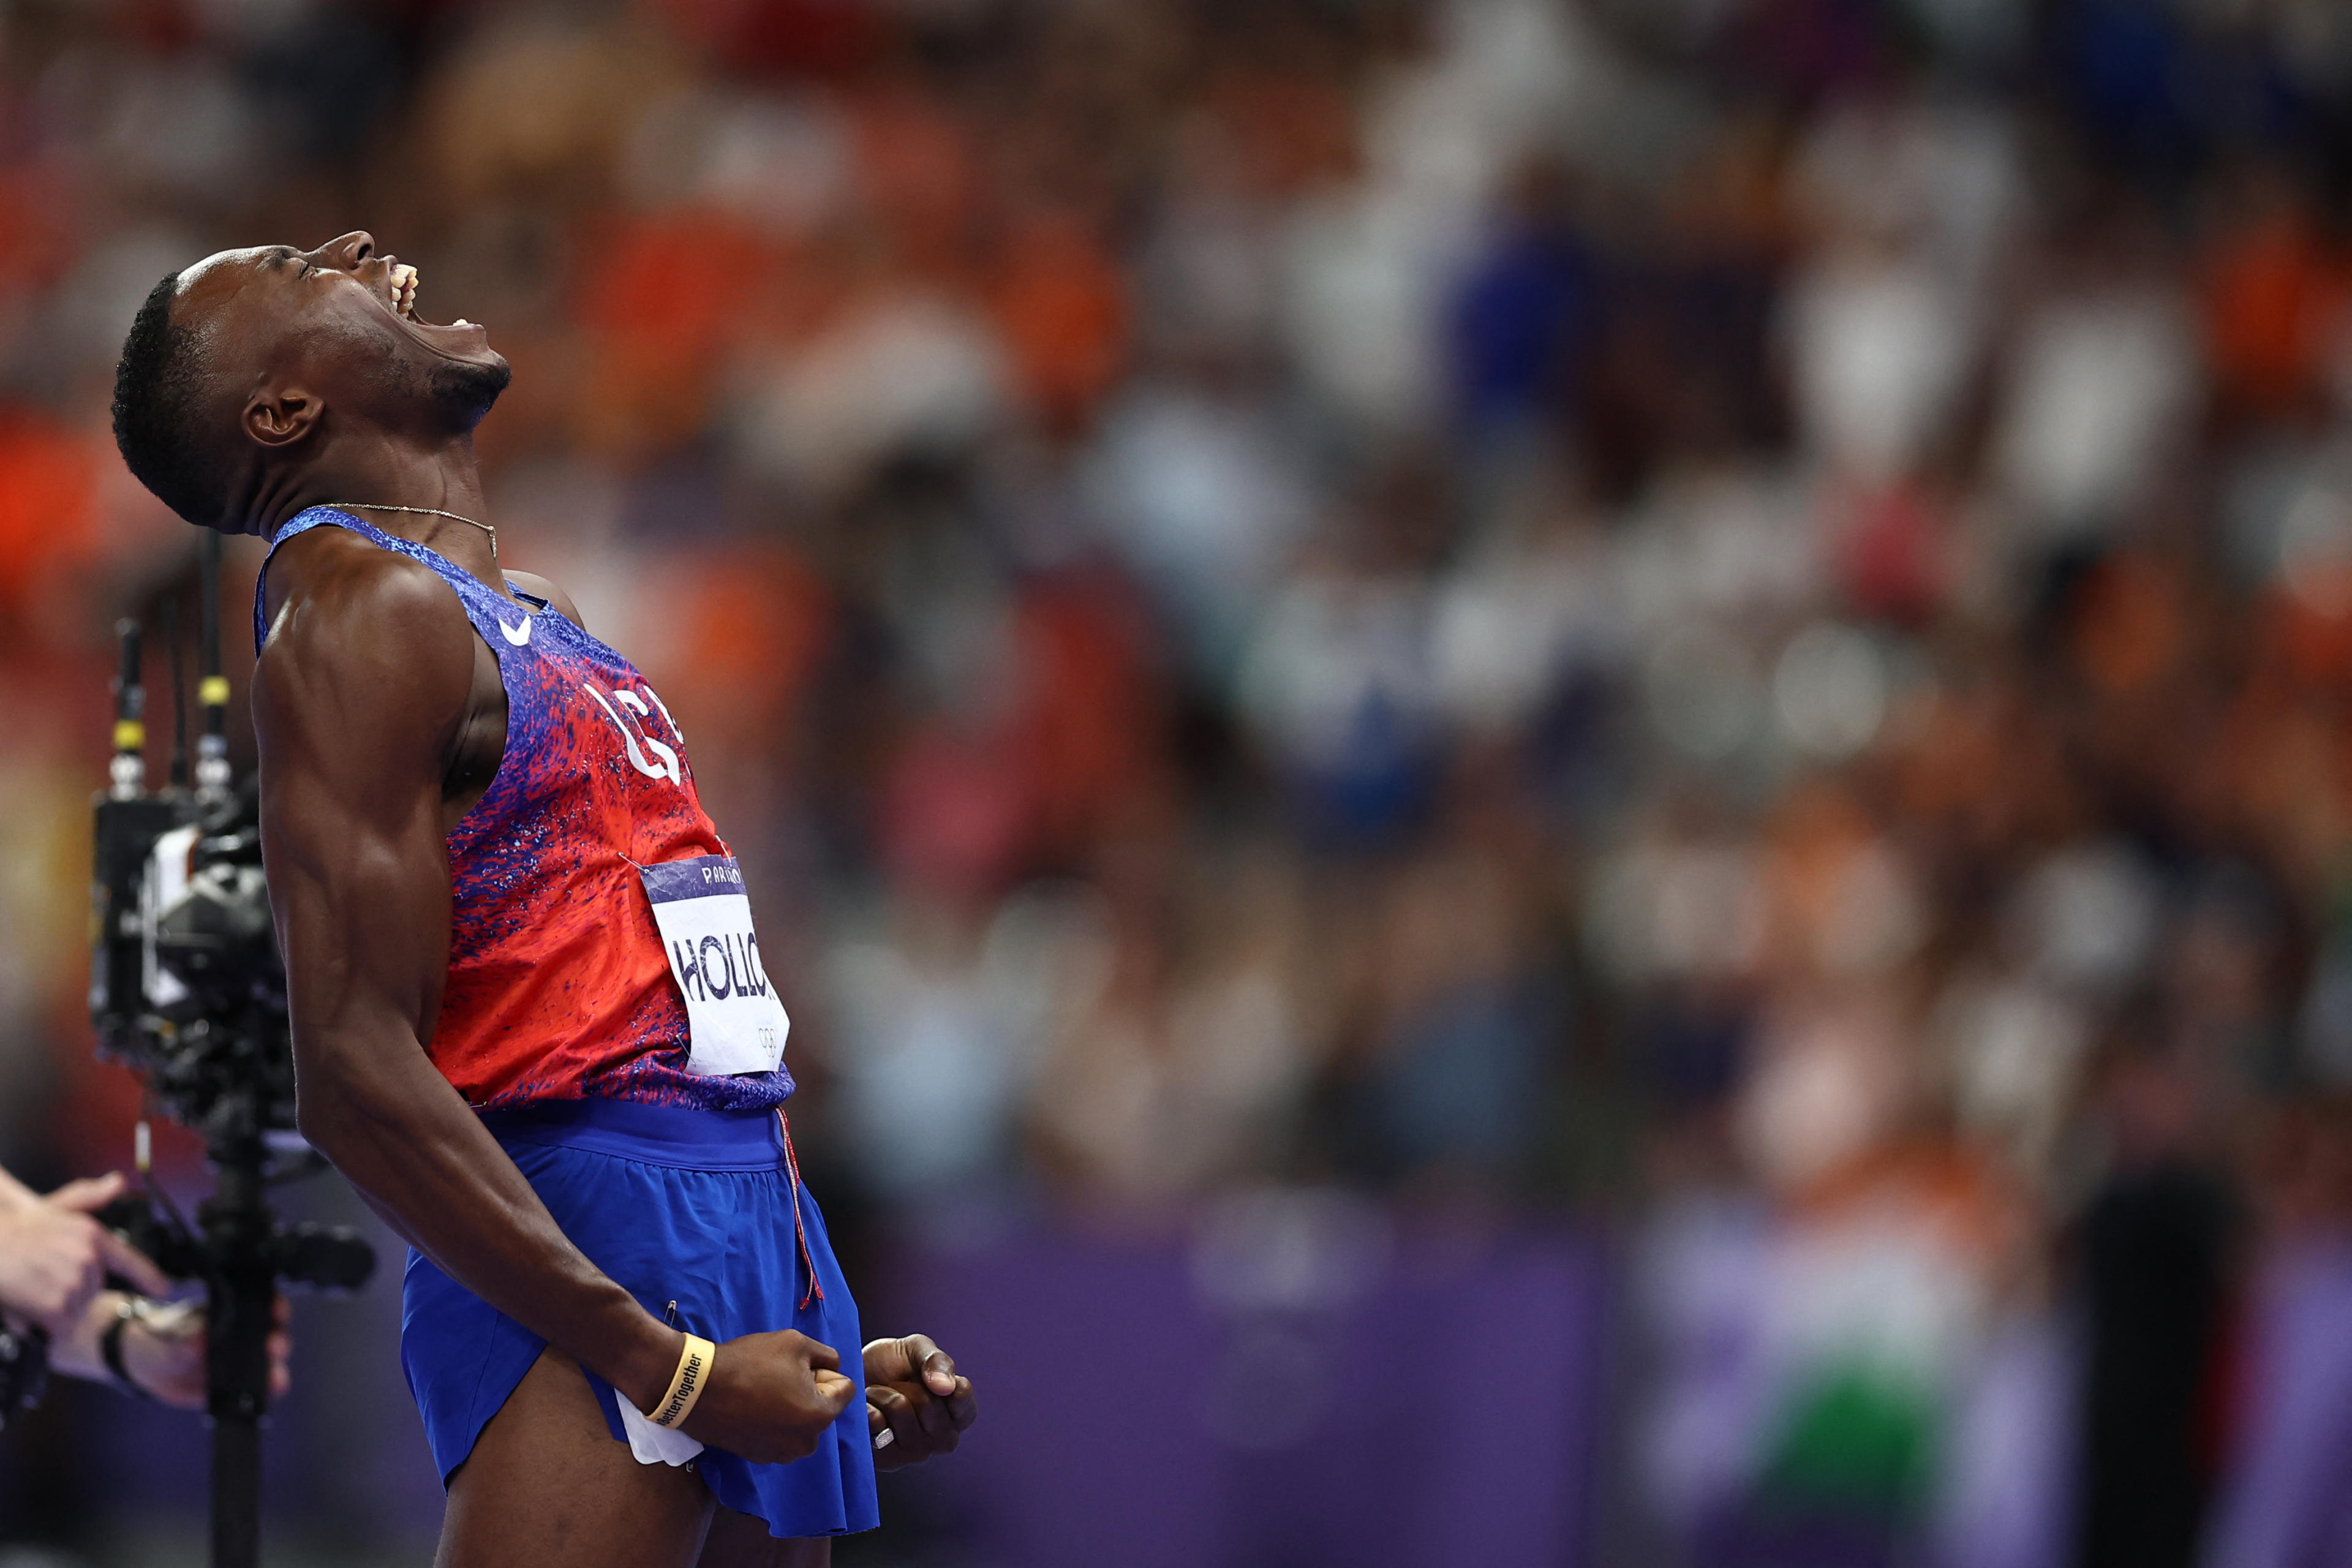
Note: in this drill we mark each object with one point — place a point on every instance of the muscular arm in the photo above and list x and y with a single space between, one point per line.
357 700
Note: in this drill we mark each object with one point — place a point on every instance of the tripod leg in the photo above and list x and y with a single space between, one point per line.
236 1492
243 1292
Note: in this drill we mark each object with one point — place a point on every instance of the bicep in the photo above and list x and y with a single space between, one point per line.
361 899
353 750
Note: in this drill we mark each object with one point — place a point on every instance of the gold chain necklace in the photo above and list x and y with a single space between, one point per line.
423 511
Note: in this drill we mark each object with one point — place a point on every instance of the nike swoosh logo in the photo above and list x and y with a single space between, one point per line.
516 635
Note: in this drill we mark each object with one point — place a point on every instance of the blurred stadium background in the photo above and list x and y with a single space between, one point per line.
1550 782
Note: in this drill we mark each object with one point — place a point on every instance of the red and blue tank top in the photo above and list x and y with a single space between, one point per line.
559 985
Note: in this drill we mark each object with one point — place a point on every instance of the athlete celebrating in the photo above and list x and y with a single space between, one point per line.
531 1020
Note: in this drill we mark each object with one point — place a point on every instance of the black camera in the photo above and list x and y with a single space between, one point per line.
187 989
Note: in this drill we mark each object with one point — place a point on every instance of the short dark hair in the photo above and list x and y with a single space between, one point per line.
158 387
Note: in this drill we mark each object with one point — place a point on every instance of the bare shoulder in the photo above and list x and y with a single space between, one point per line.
538 587
360 637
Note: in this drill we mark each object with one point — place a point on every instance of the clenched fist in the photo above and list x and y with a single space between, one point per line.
912 1392
770 1397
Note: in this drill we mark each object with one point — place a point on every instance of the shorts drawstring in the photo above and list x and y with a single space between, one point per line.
815 1291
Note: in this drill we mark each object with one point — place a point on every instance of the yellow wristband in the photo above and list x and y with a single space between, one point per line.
693 1371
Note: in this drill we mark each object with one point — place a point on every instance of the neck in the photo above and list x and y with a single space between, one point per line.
443 477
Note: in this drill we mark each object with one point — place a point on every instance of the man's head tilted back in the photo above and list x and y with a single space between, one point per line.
259 378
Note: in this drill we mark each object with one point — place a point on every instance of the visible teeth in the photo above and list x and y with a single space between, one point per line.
404 288
461 322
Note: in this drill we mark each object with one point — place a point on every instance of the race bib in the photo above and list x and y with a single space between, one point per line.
735 1023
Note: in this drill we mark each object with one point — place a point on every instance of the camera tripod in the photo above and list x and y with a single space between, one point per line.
241 1253
189 993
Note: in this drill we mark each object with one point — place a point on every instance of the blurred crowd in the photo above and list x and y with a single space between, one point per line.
1731 613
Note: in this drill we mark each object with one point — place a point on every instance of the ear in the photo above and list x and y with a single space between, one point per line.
281 416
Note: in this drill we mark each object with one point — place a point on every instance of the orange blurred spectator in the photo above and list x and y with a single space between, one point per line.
917 175
1293 130
39 237
48 487
2276 293
1092 720
2131 624
662 296
1062 302
746 628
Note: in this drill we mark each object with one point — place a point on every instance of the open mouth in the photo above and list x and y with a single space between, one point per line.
403 279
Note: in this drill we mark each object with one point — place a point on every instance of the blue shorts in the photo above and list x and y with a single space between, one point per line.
677 1204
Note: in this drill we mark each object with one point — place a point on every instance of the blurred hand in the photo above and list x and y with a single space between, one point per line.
770 1397
54 1258
15 1194
165 1353
912 1389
